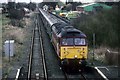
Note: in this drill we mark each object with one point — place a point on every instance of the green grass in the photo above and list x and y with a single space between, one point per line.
5 20
0 33
9 32
0 18
0 44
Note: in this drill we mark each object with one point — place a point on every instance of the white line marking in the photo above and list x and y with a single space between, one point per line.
101 73
104 67
17 75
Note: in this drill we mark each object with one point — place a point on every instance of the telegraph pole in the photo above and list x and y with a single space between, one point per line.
93 46
66 2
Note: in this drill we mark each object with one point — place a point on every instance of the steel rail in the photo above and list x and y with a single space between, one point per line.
83 76
31 56
66 76
42 52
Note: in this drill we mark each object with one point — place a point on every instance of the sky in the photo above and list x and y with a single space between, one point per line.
83 1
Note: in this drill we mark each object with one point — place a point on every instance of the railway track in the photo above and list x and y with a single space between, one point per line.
78 76
42 52
94 73
37 64
54 71
75 77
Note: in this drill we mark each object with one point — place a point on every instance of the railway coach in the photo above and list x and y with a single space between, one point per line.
70 43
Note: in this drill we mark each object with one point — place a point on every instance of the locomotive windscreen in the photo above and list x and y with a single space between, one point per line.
73 41
73 38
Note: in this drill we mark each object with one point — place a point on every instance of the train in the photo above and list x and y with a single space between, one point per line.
69 43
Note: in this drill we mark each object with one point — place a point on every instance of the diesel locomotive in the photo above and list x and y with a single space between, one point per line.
70 43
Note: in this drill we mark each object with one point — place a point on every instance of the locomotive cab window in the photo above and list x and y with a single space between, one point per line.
73 41
79 41
67 41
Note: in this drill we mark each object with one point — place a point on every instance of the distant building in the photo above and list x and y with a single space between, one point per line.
57 8
51 0
45 7
70 0
11 0
50 3
91 7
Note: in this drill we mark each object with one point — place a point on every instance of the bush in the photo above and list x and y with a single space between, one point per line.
16 13
19 23
104 24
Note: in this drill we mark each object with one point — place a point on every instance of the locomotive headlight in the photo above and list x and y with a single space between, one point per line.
79 62
75 56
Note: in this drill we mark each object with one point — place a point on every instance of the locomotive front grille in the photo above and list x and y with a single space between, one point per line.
73 52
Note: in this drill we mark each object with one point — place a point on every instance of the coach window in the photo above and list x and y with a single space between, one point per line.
79 41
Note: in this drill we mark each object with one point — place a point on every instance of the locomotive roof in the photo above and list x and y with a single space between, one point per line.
64 30
71 32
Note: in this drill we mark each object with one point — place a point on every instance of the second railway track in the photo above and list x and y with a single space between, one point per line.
37 64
